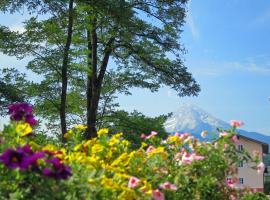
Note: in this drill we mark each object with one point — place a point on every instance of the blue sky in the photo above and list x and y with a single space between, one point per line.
228 47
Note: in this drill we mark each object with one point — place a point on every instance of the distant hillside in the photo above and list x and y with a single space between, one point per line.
192 119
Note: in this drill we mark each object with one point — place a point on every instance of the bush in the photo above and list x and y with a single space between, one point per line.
255 196
178 167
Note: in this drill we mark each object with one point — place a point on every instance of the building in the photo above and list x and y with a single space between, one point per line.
247 176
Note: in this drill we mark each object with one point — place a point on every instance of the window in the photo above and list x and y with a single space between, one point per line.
241 181
240 147
241 164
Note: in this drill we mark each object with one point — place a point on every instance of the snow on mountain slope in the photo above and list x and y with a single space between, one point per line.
192 119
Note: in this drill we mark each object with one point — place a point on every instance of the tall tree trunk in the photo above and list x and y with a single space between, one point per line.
64 70
95 80
91 82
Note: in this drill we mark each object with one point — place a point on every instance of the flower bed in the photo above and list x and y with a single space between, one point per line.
180 167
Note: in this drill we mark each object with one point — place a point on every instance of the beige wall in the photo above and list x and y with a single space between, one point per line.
251 177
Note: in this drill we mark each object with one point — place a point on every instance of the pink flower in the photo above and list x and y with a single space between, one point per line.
186 134
168 186
150 149
183 136
260 168
153 133
157 195
230 183
133 181
188 158
223 134
235 139
143 135
225 147
233 197
236 123
196 157
203 134
177 134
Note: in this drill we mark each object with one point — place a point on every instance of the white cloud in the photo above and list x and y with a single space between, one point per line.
191 23
256 64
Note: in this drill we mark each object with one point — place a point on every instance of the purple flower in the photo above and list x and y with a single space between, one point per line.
20 111
58 170
30 120
22 157
15 159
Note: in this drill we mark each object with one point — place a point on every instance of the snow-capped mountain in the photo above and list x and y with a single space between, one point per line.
192 119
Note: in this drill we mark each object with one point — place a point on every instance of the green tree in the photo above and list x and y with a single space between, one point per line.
134 124
142 39
12 88
140 36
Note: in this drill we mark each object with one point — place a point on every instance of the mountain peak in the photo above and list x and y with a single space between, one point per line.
192 118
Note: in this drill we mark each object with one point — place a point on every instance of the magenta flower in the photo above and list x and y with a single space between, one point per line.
168 186
157 195
15 159
225 147
184 136
22 111
230 183
22 158
188 158
152 134
58 170
133 182
236 123
143 135
30 120
235 139
150 149
223 134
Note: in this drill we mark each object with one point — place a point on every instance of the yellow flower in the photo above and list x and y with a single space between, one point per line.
80 127
109 183
78 147
128 194
174 139
89 143
122 159
103 131
143 144
115 140
160 151
68 134
50 147
24 129
91 181
125 143
97 148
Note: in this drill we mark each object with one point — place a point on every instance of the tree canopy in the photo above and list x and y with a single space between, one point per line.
89 51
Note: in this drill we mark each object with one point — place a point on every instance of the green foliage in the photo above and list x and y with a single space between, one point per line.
138 49
12 88
102 167
255 196
134 124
